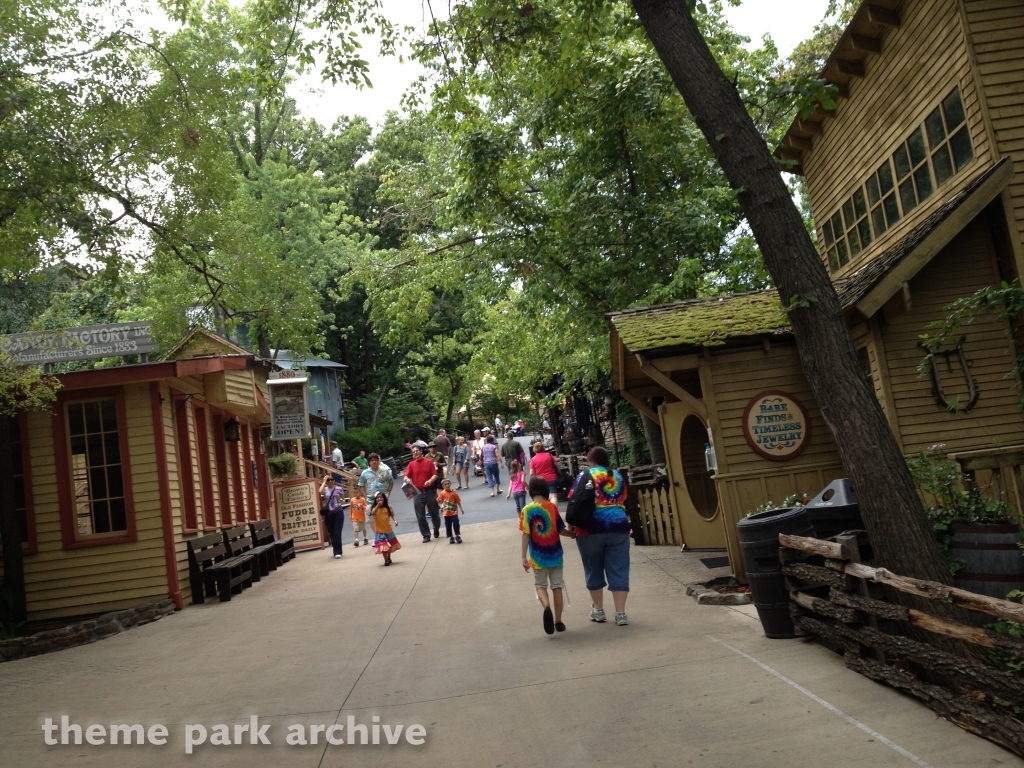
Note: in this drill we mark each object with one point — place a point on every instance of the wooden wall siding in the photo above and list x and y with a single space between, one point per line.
81 581
997 33
919 64
207 468
966 264
738 376
239 387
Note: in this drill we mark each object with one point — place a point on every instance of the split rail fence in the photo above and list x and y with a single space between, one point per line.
842 600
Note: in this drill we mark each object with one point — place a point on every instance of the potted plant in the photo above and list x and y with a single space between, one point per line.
980 537
282 466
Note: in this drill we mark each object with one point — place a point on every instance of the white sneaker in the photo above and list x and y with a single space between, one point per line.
337 557
597 614
621 620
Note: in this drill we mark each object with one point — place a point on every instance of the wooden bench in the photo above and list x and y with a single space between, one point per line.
238 542
263 533
212 571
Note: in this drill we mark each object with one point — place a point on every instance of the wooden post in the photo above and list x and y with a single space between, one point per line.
849 542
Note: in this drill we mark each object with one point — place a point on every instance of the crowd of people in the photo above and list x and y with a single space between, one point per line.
596 518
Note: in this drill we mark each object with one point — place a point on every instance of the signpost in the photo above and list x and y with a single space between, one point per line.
776 425
298 512
83 343
289 411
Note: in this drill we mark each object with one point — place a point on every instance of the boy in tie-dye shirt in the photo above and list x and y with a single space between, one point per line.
542 550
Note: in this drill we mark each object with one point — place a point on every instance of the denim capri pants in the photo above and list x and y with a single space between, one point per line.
605 555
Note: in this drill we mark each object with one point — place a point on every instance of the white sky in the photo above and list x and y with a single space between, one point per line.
787 23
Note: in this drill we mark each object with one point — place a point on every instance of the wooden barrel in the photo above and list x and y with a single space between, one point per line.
994 563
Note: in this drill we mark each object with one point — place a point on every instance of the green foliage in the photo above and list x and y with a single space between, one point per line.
636 453
942 482
793 500
283 465
385 439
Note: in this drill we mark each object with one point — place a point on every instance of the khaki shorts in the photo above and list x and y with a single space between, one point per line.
359 526
542 576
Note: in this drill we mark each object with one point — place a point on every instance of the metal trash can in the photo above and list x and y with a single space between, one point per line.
759 539
835 510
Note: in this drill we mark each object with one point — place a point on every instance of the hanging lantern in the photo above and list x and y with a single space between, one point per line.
231 431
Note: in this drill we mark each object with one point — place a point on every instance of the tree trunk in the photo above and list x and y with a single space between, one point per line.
448 414
655 440
10 529
900 532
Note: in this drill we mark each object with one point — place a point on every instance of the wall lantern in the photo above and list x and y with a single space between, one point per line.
231 432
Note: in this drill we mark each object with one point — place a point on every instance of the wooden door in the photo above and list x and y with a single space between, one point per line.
694 494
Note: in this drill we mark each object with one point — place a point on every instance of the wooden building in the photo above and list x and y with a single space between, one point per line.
916 182
130 463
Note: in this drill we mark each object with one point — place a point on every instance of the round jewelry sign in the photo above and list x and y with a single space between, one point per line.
776 425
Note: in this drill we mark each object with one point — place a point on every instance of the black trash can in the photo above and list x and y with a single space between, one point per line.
835 510
759 539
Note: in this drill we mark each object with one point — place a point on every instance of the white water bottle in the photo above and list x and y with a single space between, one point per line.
709 458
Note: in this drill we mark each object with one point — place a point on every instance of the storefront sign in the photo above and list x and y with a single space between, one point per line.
289 412
83 343
776 425
298 512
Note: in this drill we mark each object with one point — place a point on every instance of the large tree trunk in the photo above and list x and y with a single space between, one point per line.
10 529
655 440
900 532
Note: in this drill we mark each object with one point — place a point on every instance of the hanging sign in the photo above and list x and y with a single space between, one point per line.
84 343
289 412
298 512
776 425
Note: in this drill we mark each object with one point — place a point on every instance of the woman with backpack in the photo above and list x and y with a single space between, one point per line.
597 514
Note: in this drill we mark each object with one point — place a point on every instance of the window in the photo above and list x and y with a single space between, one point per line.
929 157
203 454
185 473
99 504
948 139
217 424
21 478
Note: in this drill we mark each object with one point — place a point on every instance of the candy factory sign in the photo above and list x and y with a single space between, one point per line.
776 425
84 343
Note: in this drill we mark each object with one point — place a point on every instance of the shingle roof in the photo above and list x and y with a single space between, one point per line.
700 322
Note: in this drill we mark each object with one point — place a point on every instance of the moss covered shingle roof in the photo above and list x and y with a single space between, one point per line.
700 322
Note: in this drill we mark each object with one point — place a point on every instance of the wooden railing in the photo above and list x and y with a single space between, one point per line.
318 470
996 472
838 598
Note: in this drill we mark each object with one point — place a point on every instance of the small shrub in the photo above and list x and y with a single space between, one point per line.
385 439
282 465
940 478
793 500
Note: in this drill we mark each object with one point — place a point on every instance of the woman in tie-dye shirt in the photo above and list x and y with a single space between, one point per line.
604 547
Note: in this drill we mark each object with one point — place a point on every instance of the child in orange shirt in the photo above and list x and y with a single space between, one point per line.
451 505
357 513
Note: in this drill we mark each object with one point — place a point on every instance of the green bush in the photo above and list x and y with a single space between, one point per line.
282 465
385 439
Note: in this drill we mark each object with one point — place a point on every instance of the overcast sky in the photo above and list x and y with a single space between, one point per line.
788 23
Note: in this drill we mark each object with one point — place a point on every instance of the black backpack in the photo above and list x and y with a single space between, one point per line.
583 502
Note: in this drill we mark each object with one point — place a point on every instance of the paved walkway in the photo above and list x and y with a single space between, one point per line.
450 638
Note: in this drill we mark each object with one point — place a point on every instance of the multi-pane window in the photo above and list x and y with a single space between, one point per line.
96 475
948 139
931 155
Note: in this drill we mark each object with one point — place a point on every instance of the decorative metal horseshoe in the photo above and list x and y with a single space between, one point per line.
940 394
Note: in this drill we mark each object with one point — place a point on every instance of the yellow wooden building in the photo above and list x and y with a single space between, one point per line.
916 183
130 463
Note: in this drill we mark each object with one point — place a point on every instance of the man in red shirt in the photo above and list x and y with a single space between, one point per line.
422 473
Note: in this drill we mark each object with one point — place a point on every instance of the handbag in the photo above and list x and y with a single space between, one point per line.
582 503
325 510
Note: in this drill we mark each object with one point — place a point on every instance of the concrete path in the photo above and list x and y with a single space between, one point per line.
450 638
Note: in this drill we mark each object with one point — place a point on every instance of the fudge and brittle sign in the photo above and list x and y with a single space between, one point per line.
776 425
298 512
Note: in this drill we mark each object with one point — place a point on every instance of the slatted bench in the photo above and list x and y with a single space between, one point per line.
212 571
238 542
263 533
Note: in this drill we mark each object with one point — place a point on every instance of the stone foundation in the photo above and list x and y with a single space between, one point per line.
85 632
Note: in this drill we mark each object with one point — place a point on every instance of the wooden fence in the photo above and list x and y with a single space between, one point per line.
841 600
654 520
